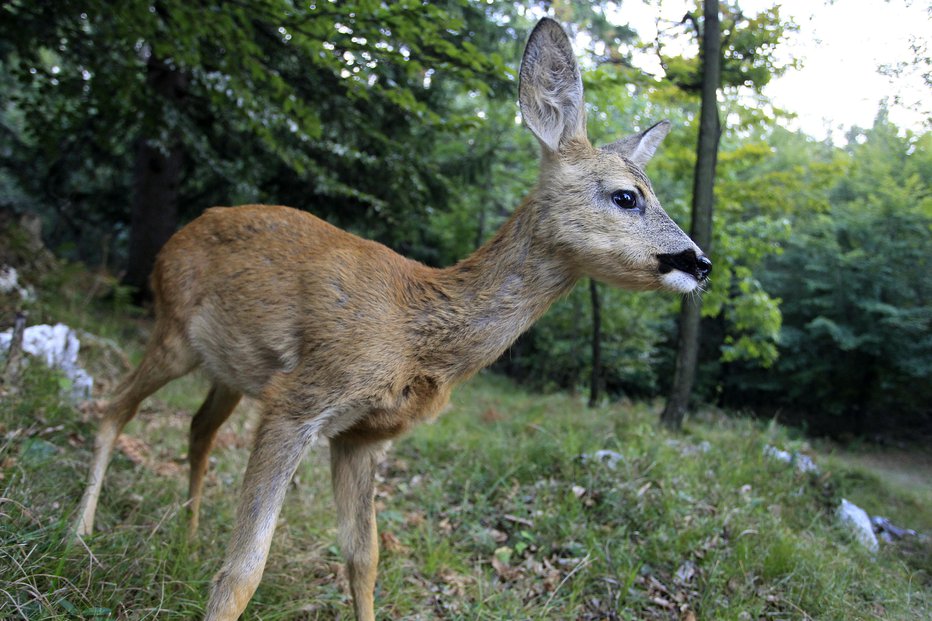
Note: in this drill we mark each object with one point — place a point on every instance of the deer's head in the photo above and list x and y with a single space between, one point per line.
596 207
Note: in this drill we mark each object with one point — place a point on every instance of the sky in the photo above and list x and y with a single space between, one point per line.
841 44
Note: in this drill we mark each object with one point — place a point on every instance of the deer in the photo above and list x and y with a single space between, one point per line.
339 338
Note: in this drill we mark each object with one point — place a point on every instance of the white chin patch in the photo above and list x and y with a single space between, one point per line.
678 281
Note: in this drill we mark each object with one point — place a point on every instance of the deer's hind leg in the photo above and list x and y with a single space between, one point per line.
168 356
352 469
220 403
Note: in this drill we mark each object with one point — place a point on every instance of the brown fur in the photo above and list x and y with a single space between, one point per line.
341 338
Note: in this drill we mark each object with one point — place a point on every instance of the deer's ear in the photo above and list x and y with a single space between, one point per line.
639 148
550 90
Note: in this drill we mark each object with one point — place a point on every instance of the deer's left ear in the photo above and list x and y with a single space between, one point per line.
550 90
639 148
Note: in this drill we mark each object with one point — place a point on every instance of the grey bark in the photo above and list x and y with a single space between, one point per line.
596 379
703 201
156 179
14 358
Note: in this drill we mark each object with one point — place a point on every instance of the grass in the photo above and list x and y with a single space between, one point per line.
490 513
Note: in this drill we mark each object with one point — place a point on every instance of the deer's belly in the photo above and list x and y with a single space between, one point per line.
421 399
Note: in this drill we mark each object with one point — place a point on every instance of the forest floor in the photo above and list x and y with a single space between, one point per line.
499 510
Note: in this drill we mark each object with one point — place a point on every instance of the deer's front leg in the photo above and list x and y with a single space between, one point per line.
280 444
352 467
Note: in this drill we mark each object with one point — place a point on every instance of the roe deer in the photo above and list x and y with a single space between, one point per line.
340 338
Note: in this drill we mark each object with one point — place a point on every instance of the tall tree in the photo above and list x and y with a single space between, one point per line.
596 379
156 180
702 206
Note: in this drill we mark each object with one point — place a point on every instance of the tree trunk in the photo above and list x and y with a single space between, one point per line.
576 353
596 380
14 358
480 225
703 200
156 177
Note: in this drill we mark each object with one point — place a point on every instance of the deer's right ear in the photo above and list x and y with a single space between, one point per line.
639 148
550 90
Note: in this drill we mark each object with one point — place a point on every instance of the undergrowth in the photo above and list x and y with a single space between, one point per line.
499 510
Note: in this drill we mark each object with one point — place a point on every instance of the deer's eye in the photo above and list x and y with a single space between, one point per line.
625 199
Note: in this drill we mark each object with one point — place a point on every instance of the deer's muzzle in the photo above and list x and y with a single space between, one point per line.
697 266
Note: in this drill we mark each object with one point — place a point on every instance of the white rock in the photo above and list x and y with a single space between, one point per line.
857 520
58 347
802 462
772 451
687 449
9 281
609 458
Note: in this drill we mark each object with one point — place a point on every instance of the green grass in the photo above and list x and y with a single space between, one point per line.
488 514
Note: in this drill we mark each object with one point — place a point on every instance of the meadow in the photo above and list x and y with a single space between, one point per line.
502 509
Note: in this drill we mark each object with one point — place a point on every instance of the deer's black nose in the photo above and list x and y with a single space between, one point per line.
697 266
703 267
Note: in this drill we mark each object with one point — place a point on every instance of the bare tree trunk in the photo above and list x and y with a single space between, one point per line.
480 225
156 178
703 201
596 379
576 351
14 358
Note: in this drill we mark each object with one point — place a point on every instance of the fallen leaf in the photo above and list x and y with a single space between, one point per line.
138 452
456 583
391 543
502 568
663 603
685 573
519 520
166 468
135 449
496 535
491 415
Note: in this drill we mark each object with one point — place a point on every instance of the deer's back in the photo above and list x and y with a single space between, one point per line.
259 290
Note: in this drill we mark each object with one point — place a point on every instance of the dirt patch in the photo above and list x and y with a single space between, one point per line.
911 469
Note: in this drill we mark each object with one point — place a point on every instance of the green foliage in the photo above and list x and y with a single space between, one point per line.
556 352
749 44
855 287
334 107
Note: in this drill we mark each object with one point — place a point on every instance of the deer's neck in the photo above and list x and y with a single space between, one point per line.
484 302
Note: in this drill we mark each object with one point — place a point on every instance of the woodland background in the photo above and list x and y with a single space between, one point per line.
397 121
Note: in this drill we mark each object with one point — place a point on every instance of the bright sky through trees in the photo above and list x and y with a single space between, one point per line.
841 45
